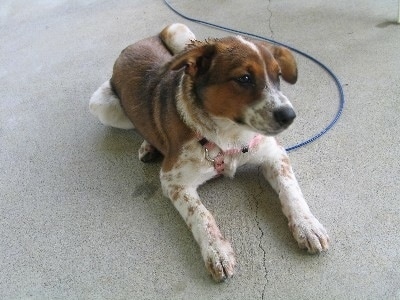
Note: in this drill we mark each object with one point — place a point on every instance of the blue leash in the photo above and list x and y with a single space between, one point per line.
329 71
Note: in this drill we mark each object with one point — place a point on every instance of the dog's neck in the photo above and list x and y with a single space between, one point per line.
223 132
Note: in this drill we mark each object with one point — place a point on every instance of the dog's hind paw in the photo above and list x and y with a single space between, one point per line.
148 153
310 234
219 259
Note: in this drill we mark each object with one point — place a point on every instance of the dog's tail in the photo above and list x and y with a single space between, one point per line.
176 37
105 105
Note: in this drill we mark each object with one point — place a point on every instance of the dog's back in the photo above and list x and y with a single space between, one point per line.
136 71
138 81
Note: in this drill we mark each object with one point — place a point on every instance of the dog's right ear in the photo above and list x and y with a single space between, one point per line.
196 59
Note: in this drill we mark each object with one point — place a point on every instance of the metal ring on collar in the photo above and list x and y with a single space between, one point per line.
207 155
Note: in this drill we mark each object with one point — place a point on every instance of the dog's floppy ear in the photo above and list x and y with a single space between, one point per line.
196 59
285 59
287 63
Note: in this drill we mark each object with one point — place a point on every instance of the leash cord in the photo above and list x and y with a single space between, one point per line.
320 64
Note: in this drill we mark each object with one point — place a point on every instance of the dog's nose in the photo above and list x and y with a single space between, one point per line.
284 116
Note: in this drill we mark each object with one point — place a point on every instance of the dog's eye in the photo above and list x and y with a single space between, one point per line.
245 80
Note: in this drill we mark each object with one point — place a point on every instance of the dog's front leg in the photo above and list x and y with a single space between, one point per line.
216 251
306 229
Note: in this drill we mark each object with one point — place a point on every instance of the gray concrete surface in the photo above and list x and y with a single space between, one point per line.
82 218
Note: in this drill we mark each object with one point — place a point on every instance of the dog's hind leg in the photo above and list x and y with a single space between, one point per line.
176 37
105 105
148 153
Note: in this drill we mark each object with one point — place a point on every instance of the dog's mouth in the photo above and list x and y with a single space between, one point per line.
270 131
240 121
268 122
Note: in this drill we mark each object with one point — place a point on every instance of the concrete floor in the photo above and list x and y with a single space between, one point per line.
82 218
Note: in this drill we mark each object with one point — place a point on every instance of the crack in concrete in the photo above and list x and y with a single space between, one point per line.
260 245
270 19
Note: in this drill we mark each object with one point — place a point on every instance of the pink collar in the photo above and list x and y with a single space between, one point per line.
218 161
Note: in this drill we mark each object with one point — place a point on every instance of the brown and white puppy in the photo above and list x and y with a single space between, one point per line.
208 108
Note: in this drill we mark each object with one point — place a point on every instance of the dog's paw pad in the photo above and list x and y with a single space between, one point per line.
220 260
310 234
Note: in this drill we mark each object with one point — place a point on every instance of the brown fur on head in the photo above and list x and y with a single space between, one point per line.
197 50
238 79
196 58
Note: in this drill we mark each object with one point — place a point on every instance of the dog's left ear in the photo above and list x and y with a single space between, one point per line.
287 63
285 59
196 59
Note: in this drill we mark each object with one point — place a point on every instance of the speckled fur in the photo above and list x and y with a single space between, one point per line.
185 166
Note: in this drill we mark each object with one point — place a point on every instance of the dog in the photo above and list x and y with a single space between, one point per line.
208 107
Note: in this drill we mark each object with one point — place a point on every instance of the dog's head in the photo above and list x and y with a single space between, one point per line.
239 79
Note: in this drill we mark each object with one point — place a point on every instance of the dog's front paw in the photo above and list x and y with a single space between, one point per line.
310 234
219 259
